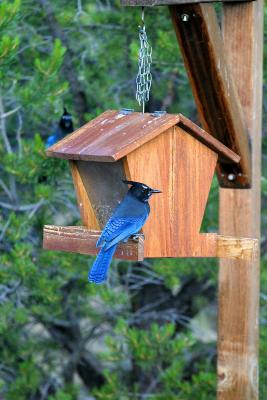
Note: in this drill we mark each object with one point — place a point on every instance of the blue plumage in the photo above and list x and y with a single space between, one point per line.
127 220
65 126
99 270
52 139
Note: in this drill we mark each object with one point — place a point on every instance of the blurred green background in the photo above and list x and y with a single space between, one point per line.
150 332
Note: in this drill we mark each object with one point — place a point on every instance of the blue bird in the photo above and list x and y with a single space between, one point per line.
127 220
65 126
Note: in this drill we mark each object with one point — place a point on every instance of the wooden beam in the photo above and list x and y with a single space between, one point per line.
216 98
240 214
150 3
78 239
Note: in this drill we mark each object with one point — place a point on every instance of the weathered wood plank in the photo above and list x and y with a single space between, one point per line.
113 135
78 239
217 102
150 3
240 214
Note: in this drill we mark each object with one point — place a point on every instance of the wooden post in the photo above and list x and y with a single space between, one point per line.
240 214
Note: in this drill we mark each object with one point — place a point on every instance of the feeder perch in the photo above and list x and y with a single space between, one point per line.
167 152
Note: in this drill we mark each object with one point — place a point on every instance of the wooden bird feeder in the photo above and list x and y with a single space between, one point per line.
167 152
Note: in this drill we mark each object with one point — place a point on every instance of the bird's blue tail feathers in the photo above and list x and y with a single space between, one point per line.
98 272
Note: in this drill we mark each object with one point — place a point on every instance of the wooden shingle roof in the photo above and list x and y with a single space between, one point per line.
114 134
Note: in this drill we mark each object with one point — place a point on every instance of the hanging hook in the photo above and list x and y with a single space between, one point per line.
143 15
142 27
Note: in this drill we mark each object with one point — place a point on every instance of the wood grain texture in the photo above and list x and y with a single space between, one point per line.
240 214
149 3
87 213
225 155
182 168
212 84
237 248
113 135
78 239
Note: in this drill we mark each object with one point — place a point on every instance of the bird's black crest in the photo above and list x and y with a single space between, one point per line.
134 183
65 111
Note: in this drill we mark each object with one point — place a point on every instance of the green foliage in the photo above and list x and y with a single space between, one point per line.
28 381
8 41
8 12
8 47
45 80
158 354
69 394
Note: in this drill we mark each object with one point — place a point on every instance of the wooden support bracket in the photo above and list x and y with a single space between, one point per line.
78 239
218 105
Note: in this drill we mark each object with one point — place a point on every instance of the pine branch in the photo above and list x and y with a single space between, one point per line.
69 71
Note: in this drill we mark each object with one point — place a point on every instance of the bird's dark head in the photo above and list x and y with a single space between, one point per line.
65 122
141 191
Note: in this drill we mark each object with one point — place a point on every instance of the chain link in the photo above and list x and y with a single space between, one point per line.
144 76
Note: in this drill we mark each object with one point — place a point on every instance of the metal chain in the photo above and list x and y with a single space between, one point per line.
144 76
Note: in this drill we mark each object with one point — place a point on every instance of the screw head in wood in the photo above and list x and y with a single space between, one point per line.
185 17
231 177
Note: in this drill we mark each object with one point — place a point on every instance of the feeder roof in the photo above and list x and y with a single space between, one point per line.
114 134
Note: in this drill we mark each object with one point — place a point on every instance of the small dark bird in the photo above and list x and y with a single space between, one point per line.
65 126
127 220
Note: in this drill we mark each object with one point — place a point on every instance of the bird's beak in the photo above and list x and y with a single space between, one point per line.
156 191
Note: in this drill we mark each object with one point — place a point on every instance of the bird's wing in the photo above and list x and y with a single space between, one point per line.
111 227
118 229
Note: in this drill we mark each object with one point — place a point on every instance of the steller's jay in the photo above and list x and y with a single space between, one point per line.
65 126
127 220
